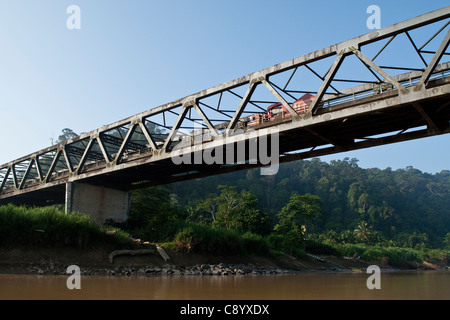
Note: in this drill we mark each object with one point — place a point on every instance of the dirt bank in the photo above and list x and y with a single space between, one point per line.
100 261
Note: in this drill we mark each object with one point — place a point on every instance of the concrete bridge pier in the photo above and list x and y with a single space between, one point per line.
98 202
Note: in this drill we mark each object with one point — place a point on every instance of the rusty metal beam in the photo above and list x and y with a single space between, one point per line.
175 127
326 83
147 135
5 178
431 124
241 106
27 172
206 120
380 71
280 98
434 61
125 142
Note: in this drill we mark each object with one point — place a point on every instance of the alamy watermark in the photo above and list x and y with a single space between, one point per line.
73 22
74 281
238 147
374 20
374 281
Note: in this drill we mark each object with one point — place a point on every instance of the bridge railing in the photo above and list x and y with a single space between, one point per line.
407 80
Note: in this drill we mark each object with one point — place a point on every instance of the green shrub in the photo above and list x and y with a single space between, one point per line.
316 247
374 253
349 250
398 254
200 238
438 254
286 243
219 241
255 243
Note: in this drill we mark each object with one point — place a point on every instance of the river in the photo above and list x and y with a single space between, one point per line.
405 285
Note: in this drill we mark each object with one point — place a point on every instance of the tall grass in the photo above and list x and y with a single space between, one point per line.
51 227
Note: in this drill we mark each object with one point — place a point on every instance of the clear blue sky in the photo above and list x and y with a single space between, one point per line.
131 56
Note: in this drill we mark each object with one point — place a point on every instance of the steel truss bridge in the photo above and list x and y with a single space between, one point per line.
387 86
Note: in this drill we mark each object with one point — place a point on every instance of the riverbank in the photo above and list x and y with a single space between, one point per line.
47 241
149 261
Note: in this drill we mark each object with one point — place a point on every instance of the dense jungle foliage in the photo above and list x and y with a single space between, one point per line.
336 202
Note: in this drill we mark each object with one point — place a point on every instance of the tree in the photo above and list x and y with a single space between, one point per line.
446 240
152 206
413 240
301 210
238 211
363 232
209 206
66 134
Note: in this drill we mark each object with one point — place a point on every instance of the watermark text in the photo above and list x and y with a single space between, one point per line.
374 20
74 281
238 147
374 281
73 21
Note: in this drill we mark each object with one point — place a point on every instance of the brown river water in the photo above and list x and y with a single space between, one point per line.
404 285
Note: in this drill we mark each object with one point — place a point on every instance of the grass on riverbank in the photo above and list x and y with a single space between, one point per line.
393 255
51 228
204 239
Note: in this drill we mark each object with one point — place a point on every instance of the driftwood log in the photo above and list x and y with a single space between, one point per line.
129 252
159 250
162 253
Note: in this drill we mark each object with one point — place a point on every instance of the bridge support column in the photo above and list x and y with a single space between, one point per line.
99 203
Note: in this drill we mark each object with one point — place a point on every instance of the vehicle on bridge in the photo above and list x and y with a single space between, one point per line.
278 111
